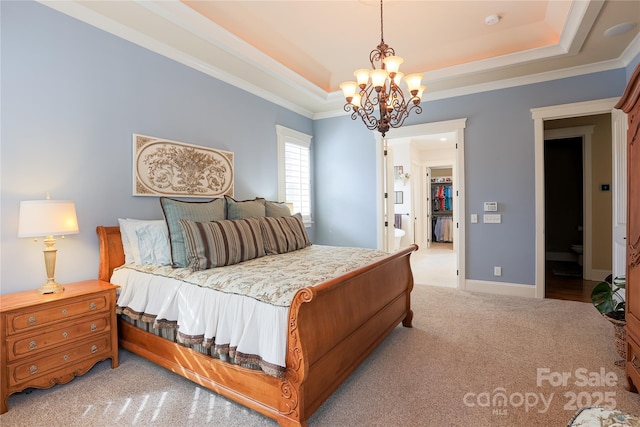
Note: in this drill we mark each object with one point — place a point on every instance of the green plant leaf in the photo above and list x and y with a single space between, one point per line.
602 298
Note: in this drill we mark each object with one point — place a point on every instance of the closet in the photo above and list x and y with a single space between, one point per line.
630 104
441 199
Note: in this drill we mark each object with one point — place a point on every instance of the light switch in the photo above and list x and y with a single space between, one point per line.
492 218
474 218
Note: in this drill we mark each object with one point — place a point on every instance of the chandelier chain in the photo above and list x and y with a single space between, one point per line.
381 25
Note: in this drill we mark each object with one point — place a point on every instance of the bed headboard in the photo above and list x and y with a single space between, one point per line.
111 251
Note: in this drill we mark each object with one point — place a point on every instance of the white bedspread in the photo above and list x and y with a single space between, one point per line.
241 310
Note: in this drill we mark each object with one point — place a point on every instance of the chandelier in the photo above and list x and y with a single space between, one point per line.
380 87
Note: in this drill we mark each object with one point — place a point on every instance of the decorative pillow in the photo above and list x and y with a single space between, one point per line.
131 242
277 209
175 210
153 243
283 234
219 243
245 208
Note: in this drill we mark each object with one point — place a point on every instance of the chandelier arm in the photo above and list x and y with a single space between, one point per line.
371 122
397 120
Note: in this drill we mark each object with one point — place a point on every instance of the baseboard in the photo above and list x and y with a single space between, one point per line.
500 288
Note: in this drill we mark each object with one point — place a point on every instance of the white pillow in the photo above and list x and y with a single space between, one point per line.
153 243
126 243
131 241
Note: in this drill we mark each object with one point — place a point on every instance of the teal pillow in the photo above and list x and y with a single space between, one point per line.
277 209
175 210
240 209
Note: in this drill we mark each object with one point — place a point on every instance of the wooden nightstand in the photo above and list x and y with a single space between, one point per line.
51 339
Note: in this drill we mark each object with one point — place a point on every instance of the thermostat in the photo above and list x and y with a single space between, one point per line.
490 206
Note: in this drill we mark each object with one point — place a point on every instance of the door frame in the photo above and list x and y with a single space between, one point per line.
457 127
539 115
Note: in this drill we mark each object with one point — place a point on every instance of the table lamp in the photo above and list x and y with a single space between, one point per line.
48 218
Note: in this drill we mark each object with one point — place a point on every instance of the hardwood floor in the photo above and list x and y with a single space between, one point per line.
566 287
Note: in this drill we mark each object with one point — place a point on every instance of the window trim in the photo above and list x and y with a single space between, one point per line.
285 135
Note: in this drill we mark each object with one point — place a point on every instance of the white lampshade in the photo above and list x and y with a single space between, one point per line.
397 79
362 76
392 63
378 77
357 100
348 89
413 81
41 218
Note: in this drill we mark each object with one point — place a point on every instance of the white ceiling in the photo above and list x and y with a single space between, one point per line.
296 53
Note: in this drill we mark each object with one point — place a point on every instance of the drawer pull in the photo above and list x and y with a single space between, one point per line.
32 345
633 361
94 327
65 334
33 369
64 311
32 320
65 357
94 348
92 306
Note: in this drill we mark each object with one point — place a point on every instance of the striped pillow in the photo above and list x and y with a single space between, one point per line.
283 234
219 243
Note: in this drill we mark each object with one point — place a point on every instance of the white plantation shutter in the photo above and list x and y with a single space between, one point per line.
294 170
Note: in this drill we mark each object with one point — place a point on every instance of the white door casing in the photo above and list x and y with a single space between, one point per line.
619 126
539 115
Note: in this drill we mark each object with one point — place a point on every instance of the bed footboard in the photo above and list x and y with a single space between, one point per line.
333 327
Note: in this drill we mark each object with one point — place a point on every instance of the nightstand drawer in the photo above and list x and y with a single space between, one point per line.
53 313
21 345
36 367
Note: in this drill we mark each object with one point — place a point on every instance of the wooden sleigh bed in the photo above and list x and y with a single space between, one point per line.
332 328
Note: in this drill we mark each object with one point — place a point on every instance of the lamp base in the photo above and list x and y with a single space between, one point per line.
51 287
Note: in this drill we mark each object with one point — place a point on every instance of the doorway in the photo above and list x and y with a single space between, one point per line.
565 189
599 241
407 151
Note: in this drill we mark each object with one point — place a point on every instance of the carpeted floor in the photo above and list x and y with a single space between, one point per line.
465 352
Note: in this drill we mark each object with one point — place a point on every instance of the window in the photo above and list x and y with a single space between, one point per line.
294 170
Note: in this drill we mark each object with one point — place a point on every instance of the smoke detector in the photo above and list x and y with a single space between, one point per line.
492 19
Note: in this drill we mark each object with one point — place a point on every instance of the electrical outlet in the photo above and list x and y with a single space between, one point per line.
497 271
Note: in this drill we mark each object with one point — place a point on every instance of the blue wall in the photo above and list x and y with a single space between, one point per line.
72 96
499 166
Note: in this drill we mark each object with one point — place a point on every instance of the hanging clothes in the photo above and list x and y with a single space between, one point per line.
443 229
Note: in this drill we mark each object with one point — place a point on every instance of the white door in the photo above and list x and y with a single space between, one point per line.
389 195
619 135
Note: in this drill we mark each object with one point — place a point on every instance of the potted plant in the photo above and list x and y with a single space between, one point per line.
607 299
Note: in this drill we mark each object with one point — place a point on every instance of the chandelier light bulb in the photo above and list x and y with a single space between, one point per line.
356 101
420 92
378 78
392 64
348 89
362 76
397 79
413 82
